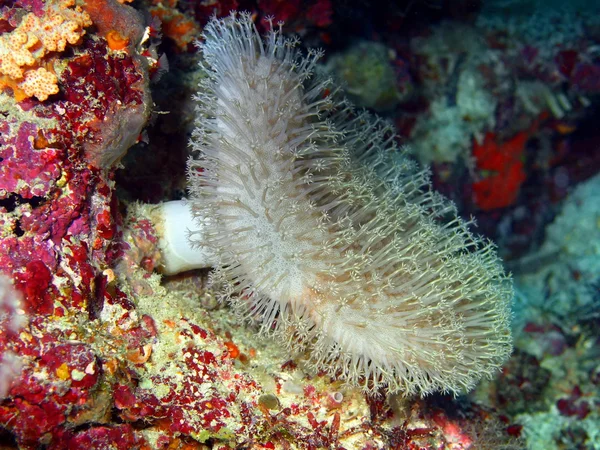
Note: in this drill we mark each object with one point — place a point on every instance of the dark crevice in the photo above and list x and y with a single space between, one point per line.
8 439
18 231
13 200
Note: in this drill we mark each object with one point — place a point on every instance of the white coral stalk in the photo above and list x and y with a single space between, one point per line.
175 225
329 235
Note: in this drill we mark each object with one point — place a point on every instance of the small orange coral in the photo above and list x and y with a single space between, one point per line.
22 51
503 162
501 165
121 25
39 82
116 41
176 26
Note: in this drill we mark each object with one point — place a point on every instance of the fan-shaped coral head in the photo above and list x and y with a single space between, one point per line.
328 234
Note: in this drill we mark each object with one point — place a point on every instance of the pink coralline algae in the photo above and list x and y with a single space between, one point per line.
37 166
38 408
58 240
114 121
209 410
121 436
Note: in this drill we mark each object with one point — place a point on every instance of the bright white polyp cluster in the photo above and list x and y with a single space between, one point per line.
329 235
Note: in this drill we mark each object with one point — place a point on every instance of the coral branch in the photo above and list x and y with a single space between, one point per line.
23 50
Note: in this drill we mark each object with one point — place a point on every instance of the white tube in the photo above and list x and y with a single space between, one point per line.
175 226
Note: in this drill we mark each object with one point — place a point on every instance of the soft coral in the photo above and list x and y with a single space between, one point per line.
504 162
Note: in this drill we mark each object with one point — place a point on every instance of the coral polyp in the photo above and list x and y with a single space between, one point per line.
328 234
